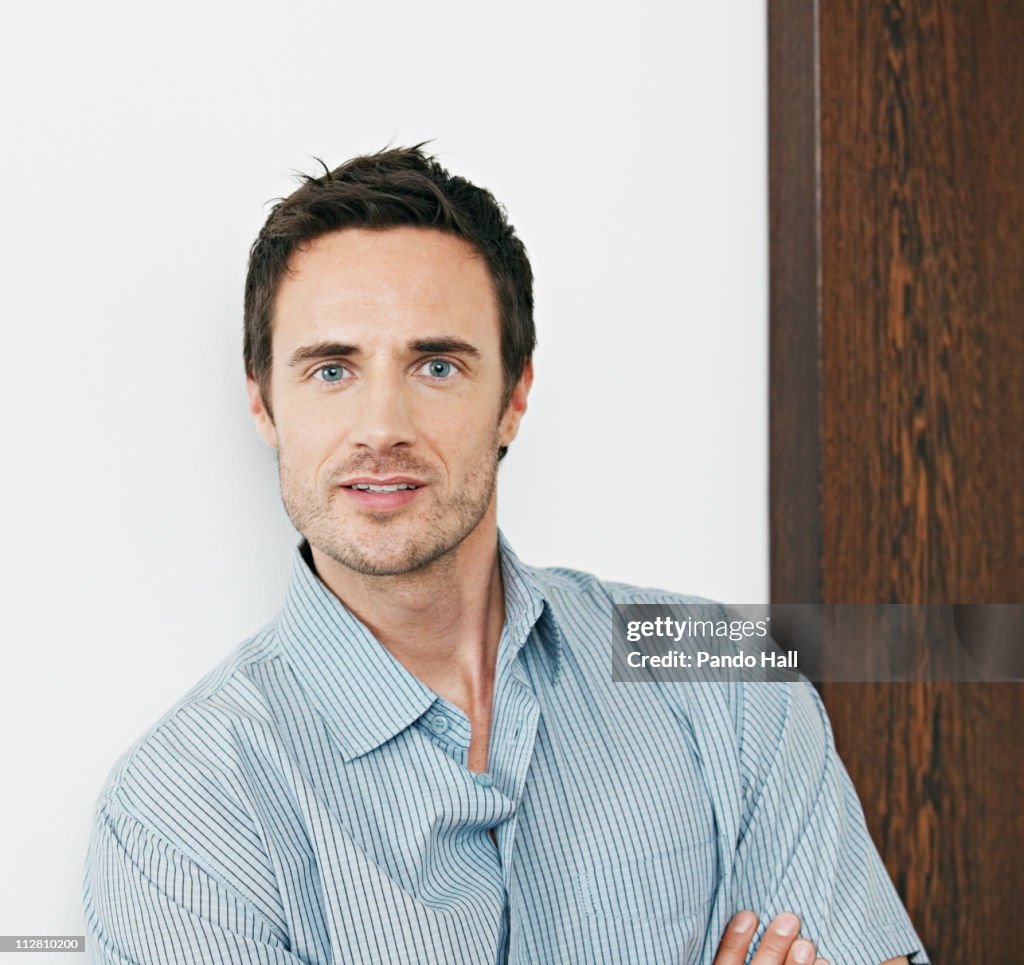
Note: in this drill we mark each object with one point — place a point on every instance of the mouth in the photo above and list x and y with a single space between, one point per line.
381 495
390 488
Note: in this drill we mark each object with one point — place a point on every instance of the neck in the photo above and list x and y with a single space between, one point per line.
443 622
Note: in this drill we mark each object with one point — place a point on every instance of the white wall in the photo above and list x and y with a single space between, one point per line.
142 533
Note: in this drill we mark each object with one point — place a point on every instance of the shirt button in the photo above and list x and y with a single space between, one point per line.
439 723
484 780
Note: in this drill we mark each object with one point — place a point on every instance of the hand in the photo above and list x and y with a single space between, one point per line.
779 944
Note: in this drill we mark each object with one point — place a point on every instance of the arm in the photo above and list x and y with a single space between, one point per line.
803 844
146 902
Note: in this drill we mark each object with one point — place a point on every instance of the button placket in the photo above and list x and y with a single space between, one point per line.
516 716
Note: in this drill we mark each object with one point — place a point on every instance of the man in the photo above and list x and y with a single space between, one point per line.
424 758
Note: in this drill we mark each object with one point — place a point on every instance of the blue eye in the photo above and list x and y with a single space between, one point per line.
330 373
440 368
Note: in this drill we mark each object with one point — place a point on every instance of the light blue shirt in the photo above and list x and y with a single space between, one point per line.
310 801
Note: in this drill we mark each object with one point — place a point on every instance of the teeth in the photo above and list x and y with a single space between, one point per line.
366 487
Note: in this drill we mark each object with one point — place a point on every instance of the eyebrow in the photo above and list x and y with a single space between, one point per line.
445 344
321 350
442 344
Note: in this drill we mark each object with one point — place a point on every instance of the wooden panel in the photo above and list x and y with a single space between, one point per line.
794 468
919 427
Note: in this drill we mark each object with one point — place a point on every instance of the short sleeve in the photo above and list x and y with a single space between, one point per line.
804 846
145 902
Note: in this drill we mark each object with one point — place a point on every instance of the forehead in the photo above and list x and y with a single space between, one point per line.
396 281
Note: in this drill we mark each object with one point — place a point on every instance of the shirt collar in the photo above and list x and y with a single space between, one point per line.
526 607
363 693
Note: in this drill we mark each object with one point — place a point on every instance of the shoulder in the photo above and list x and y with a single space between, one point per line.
223 696
192 779
760 723
564 585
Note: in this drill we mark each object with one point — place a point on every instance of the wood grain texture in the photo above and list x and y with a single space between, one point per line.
794 346
919 430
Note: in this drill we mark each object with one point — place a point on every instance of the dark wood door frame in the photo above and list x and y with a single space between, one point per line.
896 184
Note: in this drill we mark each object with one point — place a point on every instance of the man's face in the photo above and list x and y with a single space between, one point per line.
386 391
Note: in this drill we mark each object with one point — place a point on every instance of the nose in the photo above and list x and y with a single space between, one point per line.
382 416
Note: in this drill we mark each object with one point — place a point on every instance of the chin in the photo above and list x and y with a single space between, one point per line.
386 555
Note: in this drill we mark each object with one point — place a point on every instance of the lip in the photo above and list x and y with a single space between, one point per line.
382 502
386 481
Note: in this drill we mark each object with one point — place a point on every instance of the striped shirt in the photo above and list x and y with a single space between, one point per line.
310 801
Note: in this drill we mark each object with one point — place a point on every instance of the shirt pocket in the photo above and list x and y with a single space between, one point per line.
671 884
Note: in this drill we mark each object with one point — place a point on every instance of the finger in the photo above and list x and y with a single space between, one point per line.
801 953
736 939
776 940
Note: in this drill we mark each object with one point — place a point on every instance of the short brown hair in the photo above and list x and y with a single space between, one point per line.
392 188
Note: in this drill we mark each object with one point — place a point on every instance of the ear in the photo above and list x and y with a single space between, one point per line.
508 428
260 414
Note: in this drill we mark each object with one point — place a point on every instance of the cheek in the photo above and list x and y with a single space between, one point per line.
309 445
461 441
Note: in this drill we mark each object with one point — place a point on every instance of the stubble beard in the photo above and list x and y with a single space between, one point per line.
389 544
